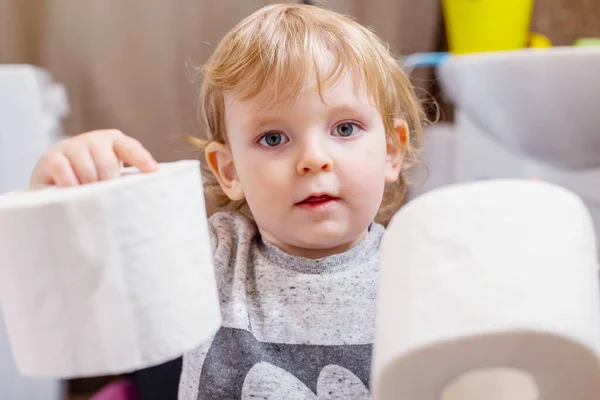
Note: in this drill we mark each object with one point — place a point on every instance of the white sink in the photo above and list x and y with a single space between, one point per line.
542 103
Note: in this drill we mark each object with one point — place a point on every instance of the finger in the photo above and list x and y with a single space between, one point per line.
83 164
131 152
42 173
60 171
107 163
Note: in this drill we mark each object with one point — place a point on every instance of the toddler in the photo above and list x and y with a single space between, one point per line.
310 123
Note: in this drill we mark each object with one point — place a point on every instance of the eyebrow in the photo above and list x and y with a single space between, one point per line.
362 110
356 108
261 121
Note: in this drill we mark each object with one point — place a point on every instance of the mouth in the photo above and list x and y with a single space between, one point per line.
318 202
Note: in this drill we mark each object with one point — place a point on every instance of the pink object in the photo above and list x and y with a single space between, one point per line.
120 390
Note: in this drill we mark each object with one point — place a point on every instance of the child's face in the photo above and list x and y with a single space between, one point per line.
313 174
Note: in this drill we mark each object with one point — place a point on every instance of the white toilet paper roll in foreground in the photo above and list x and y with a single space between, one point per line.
489 291
108 277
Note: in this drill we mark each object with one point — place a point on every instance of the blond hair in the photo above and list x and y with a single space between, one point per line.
277 48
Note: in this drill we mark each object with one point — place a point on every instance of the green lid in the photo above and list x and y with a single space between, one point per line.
584 42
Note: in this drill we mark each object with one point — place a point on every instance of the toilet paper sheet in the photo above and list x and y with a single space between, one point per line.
489 274
108 277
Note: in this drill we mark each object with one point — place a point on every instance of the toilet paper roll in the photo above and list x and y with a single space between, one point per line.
497 275
108 277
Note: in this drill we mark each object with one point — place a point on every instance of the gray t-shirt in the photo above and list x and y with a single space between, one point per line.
293 328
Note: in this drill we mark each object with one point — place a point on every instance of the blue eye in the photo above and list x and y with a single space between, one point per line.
273 139
346 129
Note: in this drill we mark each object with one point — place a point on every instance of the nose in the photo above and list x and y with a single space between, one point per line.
314 158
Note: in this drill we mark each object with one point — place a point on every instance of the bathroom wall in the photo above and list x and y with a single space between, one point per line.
564 21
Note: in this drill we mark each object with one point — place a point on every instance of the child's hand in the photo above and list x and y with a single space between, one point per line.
90 157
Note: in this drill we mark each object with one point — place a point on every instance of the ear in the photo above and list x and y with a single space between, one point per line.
395 150
220 161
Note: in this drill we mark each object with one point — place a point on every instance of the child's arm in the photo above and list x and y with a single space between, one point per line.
90 157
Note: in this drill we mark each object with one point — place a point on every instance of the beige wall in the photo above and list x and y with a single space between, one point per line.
564 21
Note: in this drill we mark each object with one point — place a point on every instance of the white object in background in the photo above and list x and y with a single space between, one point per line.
436 160
108 277
31 106
497 279
542 103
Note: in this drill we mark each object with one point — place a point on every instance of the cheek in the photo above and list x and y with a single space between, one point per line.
365 170
262 178
369 160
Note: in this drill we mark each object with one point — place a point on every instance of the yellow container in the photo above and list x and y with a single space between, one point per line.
487 25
